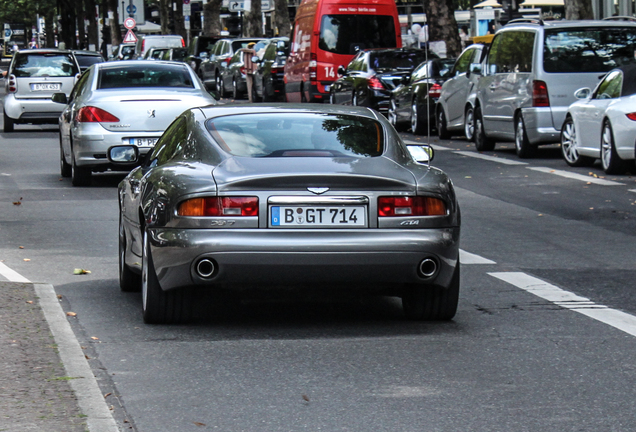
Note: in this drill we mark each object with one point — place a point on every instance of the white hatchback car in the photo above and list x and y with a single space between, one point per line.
32 78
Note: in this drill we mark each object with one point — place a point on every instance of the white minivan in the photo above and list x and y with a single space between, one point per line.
145 42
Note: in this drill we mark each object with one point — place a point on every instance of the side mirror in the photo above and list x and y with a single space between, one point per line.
405 79
341 70
123 154
59 98
421 153
204 55
582 93
474 68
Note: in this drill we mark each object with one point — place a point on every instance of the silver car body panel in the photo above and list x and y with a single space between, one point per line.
248 250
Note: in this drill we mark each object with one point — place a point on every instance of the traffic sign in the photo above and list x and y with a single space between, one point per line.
130 23
131 9
130 37
236 6
186 1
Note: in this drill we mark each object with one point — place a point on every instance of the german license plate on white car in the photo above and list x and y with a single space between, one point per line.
46 86
318 216
143 142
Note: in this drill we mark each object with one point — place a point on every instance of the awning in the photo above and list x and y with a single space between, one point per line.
487 3
535 3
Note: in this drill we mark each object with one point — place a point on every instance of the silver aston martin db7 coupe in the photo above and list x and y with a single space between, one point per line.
237 197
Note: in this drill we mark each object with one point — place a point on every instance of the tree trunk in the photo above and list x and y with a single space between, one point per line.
442 26
212 18
91 16
49 19
164 15
283 25
179 24
115 30
578 10
253 21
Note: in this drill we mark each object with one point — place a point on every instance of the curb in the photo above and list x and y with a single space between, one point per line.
89 397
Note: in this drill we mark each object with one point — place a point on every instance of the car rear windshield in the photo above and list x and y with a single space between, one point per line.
588 49
146 76
44 64
88 60
298 135
398 60
347 34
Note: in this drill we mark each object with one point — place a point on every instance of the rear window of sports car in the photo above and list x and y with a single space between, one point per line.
145 75
298 135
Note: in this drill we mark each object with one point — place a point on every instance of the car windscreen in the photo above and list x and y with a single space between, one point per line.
44 64
298 135
397 60
347 34
179 54
87 60
595 49
144 75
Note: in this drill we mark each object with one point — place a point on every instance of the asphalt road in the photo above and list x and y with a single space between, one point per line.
543 340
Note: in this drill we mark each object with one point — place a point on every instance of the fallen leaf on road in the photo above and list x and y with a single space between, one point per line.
199 423
79 271
94 338
18 202
26 259
305 397
20 247
29 301
59 296
71 314
107 394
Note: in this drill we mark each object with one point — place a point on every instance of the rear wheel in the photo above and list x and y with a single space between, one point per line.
8 123
442 131
219 86
522 144
80 176
158 306
236 94
432 303
612 163
65 168
418 127
266 93
129 281
482 143
569 146
469 123
392 115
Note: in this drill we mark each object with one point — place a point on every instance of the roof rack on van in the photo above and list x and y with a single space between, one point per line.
526 20
620 18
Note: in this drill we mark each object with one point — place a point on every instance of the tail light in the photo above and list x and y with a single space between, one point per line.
631 116
242 70
540 96
13 85
375 83
219 206
313 67
227 61
275 70
90 114
435 91
182 43
143 44
410 206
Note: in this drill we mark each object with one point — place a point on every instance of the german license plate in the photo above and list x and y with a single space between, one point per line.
46 86
318 216
143 142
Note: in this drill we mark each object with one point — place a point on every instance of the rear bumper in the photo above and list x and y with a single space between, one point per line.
540 125
378 260
32 110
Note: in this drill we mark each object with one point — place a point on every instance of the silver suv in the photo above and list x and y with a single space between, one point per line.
532 71
32 78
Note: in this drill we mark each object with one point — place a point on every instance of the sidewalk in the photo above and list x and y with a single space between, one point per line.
36 391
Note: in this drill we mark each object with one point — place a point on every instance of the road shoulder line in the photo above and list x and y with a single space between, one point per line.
89 397
575 176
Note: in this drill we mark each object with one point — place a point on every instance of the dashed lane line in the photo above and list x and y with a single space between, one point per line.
470 258
568 300
11 275
489 158
574 176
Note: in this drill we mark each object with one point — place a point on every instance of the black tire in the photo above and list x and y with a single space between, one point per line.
266 94
65 168
442 130
219 85
129 281
158 306
482 142
354 99
522 146
611 162
303 98
236 94
8 124
418 127
80 176
469 123
569 145
392 115
432 303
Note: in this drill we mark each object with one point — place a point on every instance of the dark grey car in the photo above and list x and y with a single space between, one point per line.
237 197
210 68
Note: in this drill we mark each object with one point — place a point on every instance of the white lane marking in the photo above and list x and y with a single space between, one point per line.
615 318
11 275
489 158
435 146
632 190
574 176
471 258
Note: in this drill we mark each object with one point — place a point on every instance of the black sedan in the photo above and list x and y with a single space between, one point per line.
413 101
269 197
372 74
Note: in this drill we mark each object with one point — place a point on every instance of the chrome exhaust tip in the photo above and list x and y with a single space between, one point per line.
428 267
205 268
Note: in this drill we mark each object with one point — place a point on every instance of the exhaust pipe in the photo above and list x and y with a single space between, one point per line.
205 268
428 267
